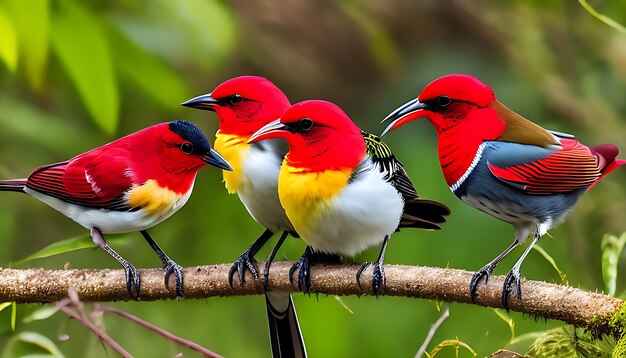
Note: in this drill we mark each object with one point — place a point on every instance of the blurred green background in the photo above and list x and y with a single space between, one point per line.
77 74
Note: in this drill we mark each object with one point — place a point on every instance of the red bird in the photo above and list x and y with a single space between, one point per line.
501 163
243 105
128 185
342 189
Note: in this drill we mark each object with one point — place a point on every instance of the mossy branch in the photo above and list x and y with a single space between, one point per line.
571 305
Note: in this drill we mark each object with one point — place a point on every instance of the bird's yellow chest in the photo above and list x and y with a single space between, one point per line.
154 199
233 148
304 194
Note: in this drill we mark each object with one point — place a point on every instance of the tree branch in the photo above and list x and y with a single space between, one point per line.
574 306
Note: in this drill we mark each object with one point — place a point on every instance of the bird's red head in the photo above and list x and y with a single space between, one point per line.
170 153
243 104
321 136
446 102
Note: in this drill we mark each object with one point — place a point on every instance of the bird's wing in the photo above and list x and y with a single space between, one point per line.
392 169
418 213
543 171
91 180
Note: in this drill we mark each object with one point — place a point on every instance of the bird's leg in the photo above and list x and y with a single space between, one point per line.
512 282
304 274
133 282
169 265
246 259
486 270
270 258
378 275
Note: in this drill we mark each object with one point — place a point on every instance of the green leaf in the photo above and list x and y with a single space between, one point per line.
8 42
36 340
551 261
612 248
63 246
607 20
60 247
4 305
41 313
451 343
153 77
52 132
32 23
509 321
13 315
79 42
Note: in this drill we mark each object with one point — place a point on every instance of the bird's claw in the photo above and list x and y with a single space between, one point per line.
304 273
512 284
378 276
245 261
174 268
266 275
484 272
133 281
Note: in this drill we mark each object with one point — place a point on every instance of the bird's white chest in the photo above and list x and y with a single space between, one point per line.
359 217
259 189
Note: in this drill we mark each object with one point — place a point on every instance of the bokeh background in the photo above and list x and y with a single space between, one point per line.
77 74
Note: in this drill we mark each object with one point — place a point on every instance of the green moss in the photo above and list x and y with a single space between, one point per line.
568 341
617 323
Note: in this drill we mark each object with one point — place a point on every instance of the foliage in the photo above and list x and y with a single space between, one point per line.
76 74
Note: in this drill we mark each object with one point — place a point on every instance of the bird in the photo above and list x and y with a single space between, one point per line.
342 188
501 163
128 185
243 105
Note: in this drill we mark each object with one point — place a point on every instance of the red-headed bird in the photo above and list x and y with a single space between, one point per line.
503 164
243 105
343 189
128 185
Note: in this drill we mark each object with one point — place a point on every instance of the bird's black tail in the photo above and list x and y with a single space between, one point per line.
285 334
423 214
16 185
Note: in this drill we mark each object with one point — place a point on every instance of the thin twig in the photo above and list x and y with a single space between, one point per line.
99 332
160 331
432 331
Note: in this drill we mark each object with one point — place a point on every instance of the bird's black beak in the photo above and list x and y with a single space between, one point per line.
205 102
406 113
214 158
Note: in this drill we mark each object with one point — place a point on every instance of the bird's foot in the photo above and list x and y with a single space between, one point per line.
304 272
173 268
245 261
484 272
512 284
378 275
133 281
266 274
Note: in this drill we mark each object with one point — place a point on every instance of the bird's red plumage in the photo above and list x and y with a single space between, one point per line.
460 87
570 168
263 102
102 175
334 142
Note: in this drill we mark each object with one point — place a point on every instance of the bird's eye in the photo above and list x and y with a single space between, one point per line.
186 148
236 98
306 124
443 101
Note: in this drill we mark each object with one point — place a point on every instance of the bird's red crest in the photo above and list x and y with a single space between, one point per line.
459 87
261 102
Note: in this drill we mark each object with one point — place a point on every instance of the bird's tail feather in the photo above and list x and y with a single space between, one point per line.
285 334
607 158
424 214
16 185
